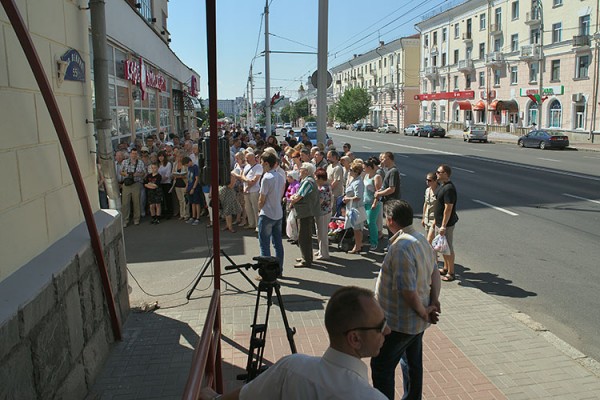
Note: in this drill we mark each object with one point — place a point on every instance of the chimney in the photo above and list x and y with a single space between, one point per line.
381 43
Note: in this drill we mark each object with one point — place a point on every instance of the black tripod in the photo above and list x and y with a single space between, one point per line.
205 268
255 366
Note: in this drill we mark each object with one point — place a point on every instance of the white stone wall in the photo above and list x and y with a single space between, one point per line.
38 202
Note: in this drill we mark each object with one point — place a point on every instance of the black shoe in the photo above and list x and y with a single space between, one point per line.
157 221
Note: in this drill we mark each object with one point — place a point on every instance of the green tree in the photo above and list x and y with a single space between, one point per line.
353 105
301 108
220 114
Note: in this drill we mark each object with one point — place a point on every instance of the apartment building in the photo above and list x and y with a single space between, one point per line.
480 63
390 74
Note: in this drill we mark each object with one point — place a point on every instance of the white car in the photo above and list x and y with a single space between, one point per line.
475 132
287 125
387 128
412 130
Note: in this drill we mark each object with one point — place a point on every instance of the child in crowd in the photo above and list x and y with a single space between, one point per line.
154 192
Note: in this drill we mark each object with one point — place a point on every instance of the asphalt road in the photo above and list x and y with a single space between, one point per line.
528 230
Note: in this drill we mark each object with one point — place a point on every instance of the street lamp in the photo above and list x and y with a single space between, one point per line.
541 62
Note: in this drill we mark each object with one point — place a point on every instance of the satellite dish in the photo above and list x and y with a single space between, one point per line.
313 79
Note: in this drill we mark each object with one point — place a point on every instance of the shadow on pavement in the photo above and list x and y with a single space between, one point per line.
490 283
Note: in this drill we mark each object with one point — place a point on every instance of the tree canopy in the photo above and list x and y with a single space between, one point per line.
353 105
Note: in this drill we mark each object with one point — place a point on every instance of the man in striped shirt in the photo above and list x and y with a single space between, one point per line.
407 289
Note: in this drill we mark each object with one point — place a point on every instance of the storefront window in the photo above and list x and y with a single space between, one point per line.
110 60
555 114
433 112
532 114
120 58
123 96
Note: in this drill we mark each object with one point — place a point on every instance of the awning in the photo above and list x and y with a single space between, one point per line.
464 105
508 105
492 106
479 106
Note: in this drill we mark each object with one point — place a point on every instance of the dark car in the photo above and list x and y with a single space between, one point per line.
432 130
544 140
367 127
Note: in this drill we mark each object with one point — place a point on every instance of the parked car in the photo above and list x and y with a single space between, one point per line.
367 127
279 126
475 132
311 125
287 125
356 126
340 125
432 130
387 128
312 135
412 130
544 140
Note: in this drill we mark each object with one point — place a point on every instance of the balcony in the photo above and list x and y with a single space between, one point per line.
467 37
431 72
434 51
532 18
530 52
495 59
496 30
581 42
466 66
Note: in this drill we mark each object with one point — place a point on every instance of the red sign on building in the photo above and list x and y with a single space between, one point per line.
466 94
139 74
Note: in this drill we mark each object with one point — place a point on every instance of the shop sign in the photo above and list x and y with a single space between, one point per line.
466 94
547 91
75 70
139 74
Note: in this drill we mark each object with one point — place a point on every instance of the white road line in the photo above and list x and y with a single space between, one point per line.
401 174
496 208
580 198
548 159
401 155
368 148
466 170
400 145
543 169
593 158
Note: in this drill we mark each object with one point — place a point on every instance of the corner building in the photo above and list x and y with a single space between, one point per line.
480 63
390 74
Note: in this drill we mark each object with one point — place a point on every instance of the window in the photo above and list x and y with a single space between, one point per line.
583 65
555 114
584 25
557 3
469 52
514 10
514 42
514 75
498 18
481 51
481 79
444 34
456 31
426 62
456 56
443 84
498 44
555 70
556 32
426 40
424 86
496 77
433 112
532 114
533 72
482 22
455 77
435 38
434 86
434 61
424 113
468 81
145 9
535 36
444 60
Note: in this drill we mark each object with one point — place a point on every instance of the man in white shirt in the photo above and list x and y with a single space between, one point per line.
251 178
270 215
356 327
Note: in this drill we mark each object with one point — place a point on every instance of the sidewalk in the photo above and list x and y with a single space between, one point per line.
481 349
505 137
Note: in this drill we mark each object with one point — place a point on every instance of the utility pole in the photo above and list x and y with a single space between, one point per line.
541 63
267 73
251 78
322 71
103 118
596 38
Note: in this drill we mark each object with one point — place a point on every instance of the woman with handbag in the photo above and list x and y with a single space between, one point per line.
356 214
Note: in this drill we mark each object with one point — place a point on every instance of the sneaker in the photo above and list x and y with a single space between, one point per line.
196 222
373 248
189 221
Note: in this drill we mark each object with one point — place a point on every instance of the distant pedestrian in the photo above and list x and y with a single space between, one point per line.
428 218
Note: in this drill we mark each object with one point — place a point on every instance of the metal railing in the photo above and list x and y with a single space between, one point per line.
206 364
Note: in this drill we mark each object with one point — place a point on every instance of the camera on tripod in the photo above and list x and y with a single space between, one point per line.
268 267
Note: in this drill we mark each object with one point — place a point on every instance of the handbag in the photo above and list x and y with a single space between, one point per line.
129 180
440 244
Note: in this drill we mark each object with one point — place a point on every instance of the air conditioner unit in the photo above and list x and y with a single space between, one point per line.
577 97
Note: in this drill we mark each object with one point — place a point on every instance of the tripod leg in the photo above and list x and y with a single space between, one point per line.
290 332
208 262
257 342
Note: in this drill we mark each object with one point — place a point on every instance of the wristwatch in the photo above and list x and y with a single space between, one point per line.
217 397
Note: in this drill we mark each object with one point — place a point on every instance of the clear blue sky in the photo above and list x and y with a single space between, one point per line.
355 27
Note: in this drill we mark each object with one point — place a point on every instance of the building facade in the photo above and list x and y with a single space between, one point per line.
390 74
480 63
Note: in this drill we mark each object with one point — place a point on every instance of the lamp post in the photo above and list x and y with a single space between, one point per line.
541 62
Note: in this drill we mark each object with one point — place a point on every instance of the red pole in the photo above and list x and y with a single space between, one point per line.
38 72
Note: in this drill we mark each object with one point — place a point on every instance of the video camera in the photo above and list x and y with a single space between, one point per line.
268 267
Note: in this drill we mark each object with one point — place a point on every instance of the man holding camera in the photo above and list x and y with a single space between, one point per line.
133 172
356 327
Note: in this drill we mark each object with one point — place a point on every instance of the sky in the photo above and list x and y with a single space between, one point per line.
355 27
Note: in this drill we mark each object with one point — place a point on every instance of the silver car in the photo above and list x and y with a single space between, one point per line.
387 128
475 132
412 130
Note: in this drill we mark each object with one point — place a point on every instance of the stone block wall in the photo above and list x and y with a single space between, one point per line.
55 328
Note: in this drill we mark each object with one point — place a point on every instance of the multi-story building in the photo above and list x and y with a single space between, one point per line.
390 74
480 62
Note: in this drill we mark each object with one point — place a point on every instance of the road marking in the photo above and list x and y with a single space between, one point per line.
548 159
401 174
496 208
522 166
400 145
401 155
593 158
581 198
466 170
368 148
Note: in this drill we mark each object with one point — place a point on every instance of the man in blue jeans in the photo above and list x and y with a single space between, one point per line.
270 212
407 289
